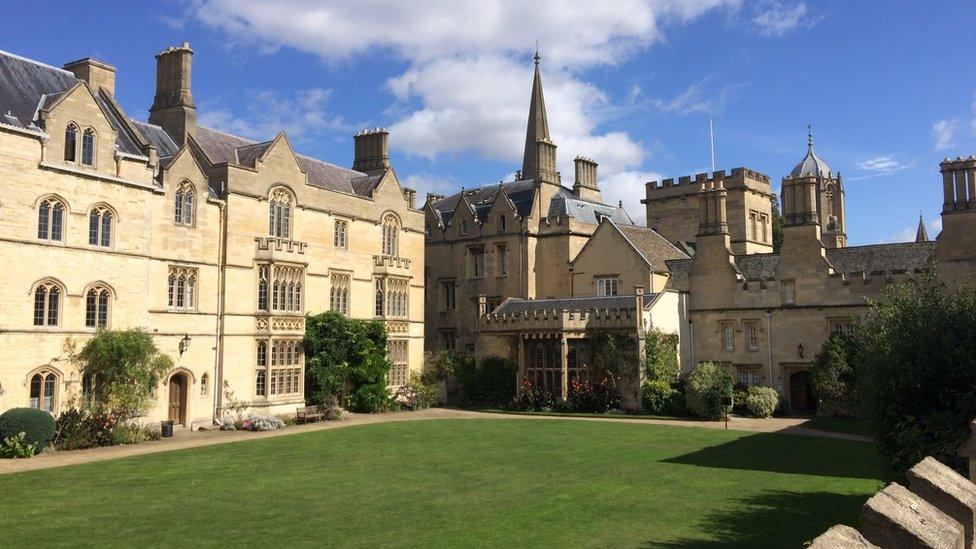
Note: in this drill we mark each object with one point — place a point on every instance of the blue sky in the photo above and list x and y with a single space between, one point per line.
887 86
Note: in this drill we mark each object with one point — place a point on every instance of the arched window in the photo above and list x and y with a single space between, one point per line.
97 302
70 143
183 204
380 296
279 213
204 385
391 231
88 147
181 288
464 227
47 304
340 237
261 370
100 227
263 272
50 219
43 391
501 224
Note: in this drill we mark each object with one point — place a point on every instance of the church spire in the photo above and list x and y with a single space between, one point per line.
921 235
537 131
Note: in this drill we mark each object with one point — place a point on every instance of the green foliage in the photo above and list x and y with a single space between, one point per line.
740 392
127 367
832 376
918 374
422 391
762 401
777 225
594 397
134 433
661 356
707 386
346 357
82 428
37 425
532 399
659 397
491 385
16 447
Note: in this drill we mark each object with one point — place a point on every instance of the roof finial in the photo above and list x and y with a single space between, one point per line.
537 57
809 136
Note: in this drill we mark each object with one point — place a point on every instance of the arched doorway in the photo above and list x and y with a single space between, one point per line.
177 398
801 395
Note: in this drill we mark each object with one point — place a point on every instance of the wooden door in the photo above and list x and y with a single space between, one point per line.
801 394
177 399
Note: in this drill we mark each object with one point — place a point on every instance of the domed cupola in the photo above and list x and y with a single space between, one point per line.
812 164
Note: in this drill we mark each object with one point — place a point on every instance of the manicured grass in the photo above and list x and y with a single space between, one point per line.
455 483
839 425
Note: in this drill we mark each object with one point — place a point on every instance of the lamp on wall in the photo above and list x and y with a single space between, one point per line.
799 350
185 344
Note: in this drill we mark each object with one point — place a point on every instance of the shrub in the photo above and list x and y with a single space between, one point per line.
595 398
740 392
762 401
917 380
134 433
832 376
707 386
419 393
532 398
126 366
77 429
658 395
661 356
491 385
259 422
17 447
37 425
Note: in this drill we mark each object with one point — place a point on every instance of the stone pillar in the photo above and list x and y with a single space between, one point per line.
971 172
947 190
841 536
895 517
947 490
960 173
564 365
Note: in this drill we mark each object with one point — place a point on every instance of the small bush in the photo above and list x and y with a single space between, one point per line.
37 425
707 386
134 433
740 392
16 447
661 356
491 385
419 393
658 396
262 423
532 399
594 398
77 429
762 401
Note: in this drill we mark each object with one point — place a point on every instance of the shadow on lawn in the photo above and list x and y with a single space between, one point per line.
788 454
773 519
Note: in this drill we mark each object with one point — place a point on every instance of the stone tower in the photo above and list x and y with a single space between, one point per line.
173 106
539 159
830 196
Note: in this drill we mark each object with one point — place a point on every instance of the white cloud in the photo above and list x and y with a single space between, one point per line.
776 19
465 87
945 131
627 187
879 166
695 99
425 183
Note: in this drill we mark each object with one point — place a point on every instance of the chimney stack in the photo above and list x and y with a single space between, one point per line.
372 153
173 106
98 75
586 185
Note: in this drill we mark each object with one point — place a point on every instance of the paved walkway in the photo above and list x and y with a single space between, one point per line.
184 439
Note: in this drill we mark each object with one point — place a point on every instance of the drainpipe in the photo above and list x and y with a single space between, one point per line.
769 344
221 281
691 342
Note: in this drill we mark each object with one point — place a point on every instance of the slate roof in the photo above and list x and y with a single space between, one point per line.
157 137
653 247
872 259
811 164
623 302
223 147
522 195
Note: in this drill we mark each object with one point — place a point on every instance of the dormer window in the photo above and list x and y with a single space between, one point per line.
464 227
88 147
70 143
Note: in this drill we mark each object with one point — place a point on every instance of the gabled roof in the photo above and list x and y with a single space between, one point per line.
567 204
223 147
654 248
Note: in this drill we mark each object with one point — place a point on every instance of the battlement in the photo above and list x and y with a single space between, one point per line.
738 178
958 184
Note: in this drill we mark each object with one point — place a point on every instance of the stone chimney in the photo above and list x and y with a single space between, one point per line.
372 153
586 186
173 106
98 75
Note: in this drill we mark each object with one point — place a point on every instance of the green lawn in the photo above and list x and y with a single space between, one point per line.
839 425
449 483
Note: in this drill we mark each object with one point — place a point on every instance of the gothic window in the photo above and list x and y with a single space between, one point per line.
501 224
88 147
182 288
728 336
286 368
43 391
286 288
97 301
263 274
261 370
47 304
50 219
449 288
752 336
279 213
183 204
397 294
100 227
477 262
502 260
380 297
70 143
391 230
339 293
397 354
340 237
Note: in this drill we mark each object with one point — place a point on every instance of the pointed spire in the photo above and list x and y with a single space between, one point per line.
921 235
538 125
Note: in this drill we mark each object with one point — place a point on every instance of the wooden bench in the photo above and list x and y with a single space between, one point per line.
305 413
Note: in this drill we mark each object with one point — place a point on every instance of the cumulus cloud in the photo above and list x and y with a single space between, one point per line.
465 83
697 99
776 19
945 131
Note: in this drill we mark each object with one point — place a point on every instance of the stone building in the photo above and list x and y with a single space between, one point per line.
215 244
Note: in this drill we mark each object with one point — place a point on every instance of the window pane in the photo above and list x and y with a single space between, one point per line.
93 228
40 296
180 291
90 309
178 212
70 143
49 382
171 291
53 300
35 391
88 148
56 214
103 309
188 208
43 214
106 229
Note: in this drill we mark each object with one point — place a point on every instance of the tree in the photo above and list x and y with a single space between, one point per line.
661 356
777 225
918 379
832 376
126 367
707 388
346 358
